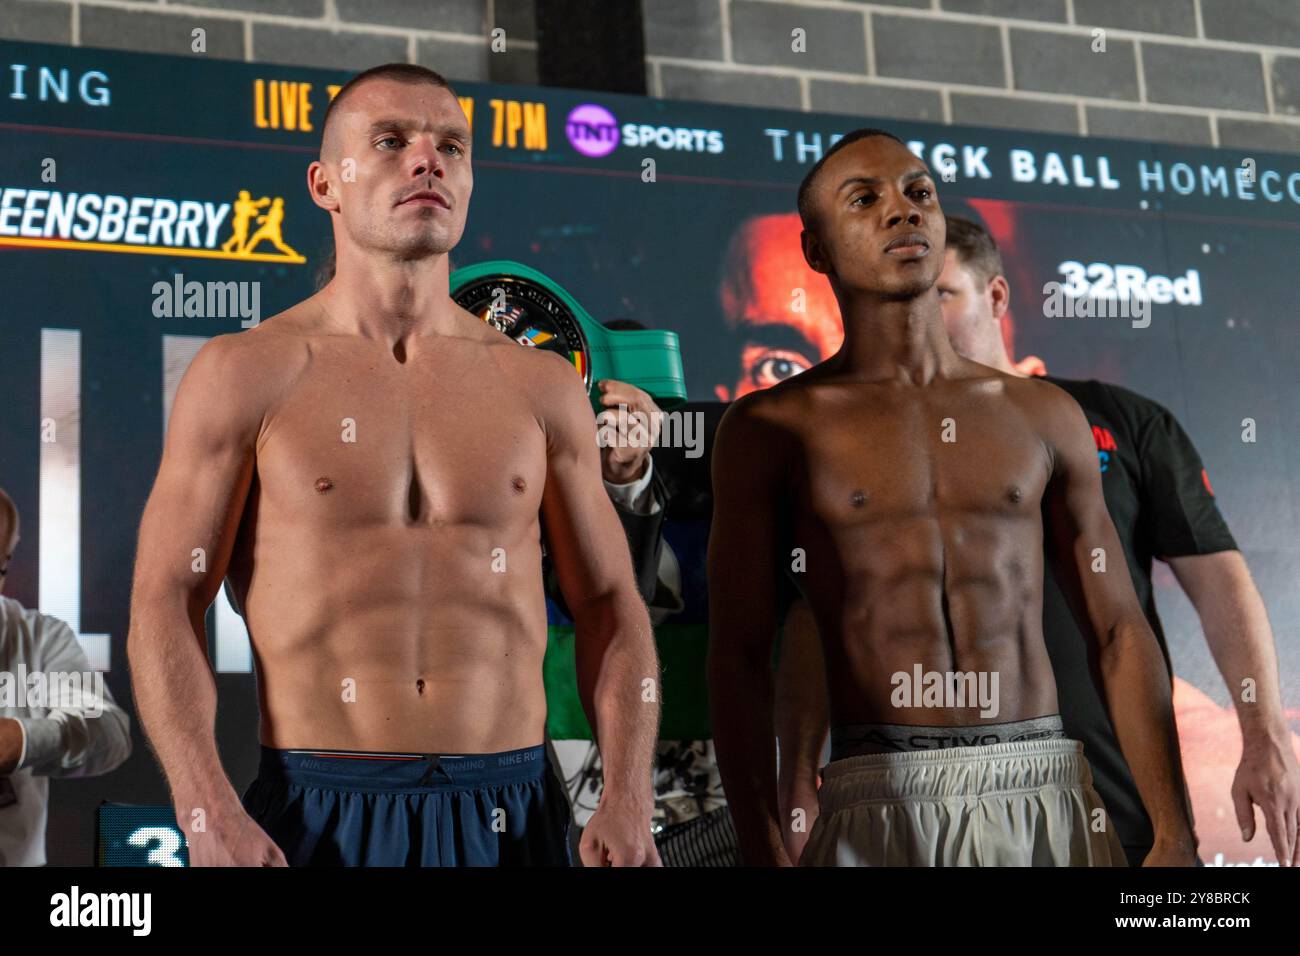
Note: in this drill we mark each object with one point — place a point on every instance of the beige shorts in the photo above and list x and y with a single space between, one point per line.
1027 803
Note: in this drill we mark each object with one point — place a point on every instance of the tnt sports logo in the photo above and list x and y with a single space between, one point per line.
148 225
594 132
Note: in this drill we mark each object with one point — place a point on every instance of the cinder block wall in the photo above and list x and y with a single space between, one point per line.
450 36
1214 72
1211 72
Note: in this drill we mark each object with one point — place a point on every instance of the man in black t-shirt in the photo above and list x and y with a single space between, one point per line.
1161 502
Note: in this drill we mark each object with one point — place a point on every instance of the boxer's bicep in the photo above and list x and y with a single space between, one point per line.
1083 543
742 558
584 537
189 523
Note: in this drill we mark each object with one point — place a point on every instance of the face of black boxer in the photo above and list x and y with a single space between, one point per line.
395 168
878 227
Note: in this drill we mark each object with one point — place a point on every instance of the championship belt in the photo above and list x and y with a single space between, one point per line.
536 311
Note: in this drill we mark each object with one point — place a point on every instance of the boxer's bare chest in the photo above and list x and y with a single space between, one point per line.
441 438
872 459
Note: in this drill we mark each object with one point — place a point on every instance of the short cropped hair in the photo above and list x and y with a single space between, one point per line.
975 248
806 211
401 72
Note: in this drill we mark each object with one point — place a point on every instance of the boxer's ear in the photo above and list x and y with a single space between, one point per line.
321 188
813 252
999 293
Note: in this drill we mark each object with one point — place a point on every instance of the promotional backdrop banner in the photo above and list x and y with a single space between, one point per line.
148 203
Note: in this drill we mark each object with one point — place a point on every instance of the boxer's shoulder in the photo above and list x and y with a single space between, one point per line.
523 365
1053 413
553 390
243 375
271 340
771 419
798 406
239 359
548 374
1054 405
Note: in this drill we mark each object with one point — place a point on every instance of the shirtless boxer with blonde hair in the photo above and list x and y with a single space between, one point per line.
376 469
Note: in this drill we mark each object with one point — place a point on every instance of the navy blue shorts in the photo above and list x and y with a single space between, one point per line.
353 808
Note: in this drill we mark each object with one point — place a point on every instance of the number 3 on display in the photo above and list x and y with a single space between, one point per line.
168 845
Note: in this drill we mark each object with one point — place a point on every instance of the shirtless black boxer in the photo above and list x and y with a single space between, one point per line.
903 484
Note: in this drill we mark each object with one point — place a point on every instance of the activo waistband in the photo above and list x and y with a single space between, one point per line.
854 739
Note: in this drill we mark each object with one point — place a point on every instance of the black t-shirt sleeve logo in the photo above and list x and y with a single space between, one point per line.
1181 508
1106 446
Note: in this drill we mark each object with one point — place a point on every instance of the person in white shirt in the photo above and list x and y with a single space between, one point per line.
73 730
691 822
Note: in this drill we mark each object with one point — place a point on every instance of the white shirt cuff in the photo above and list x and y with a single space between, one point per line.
42 742
635 496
